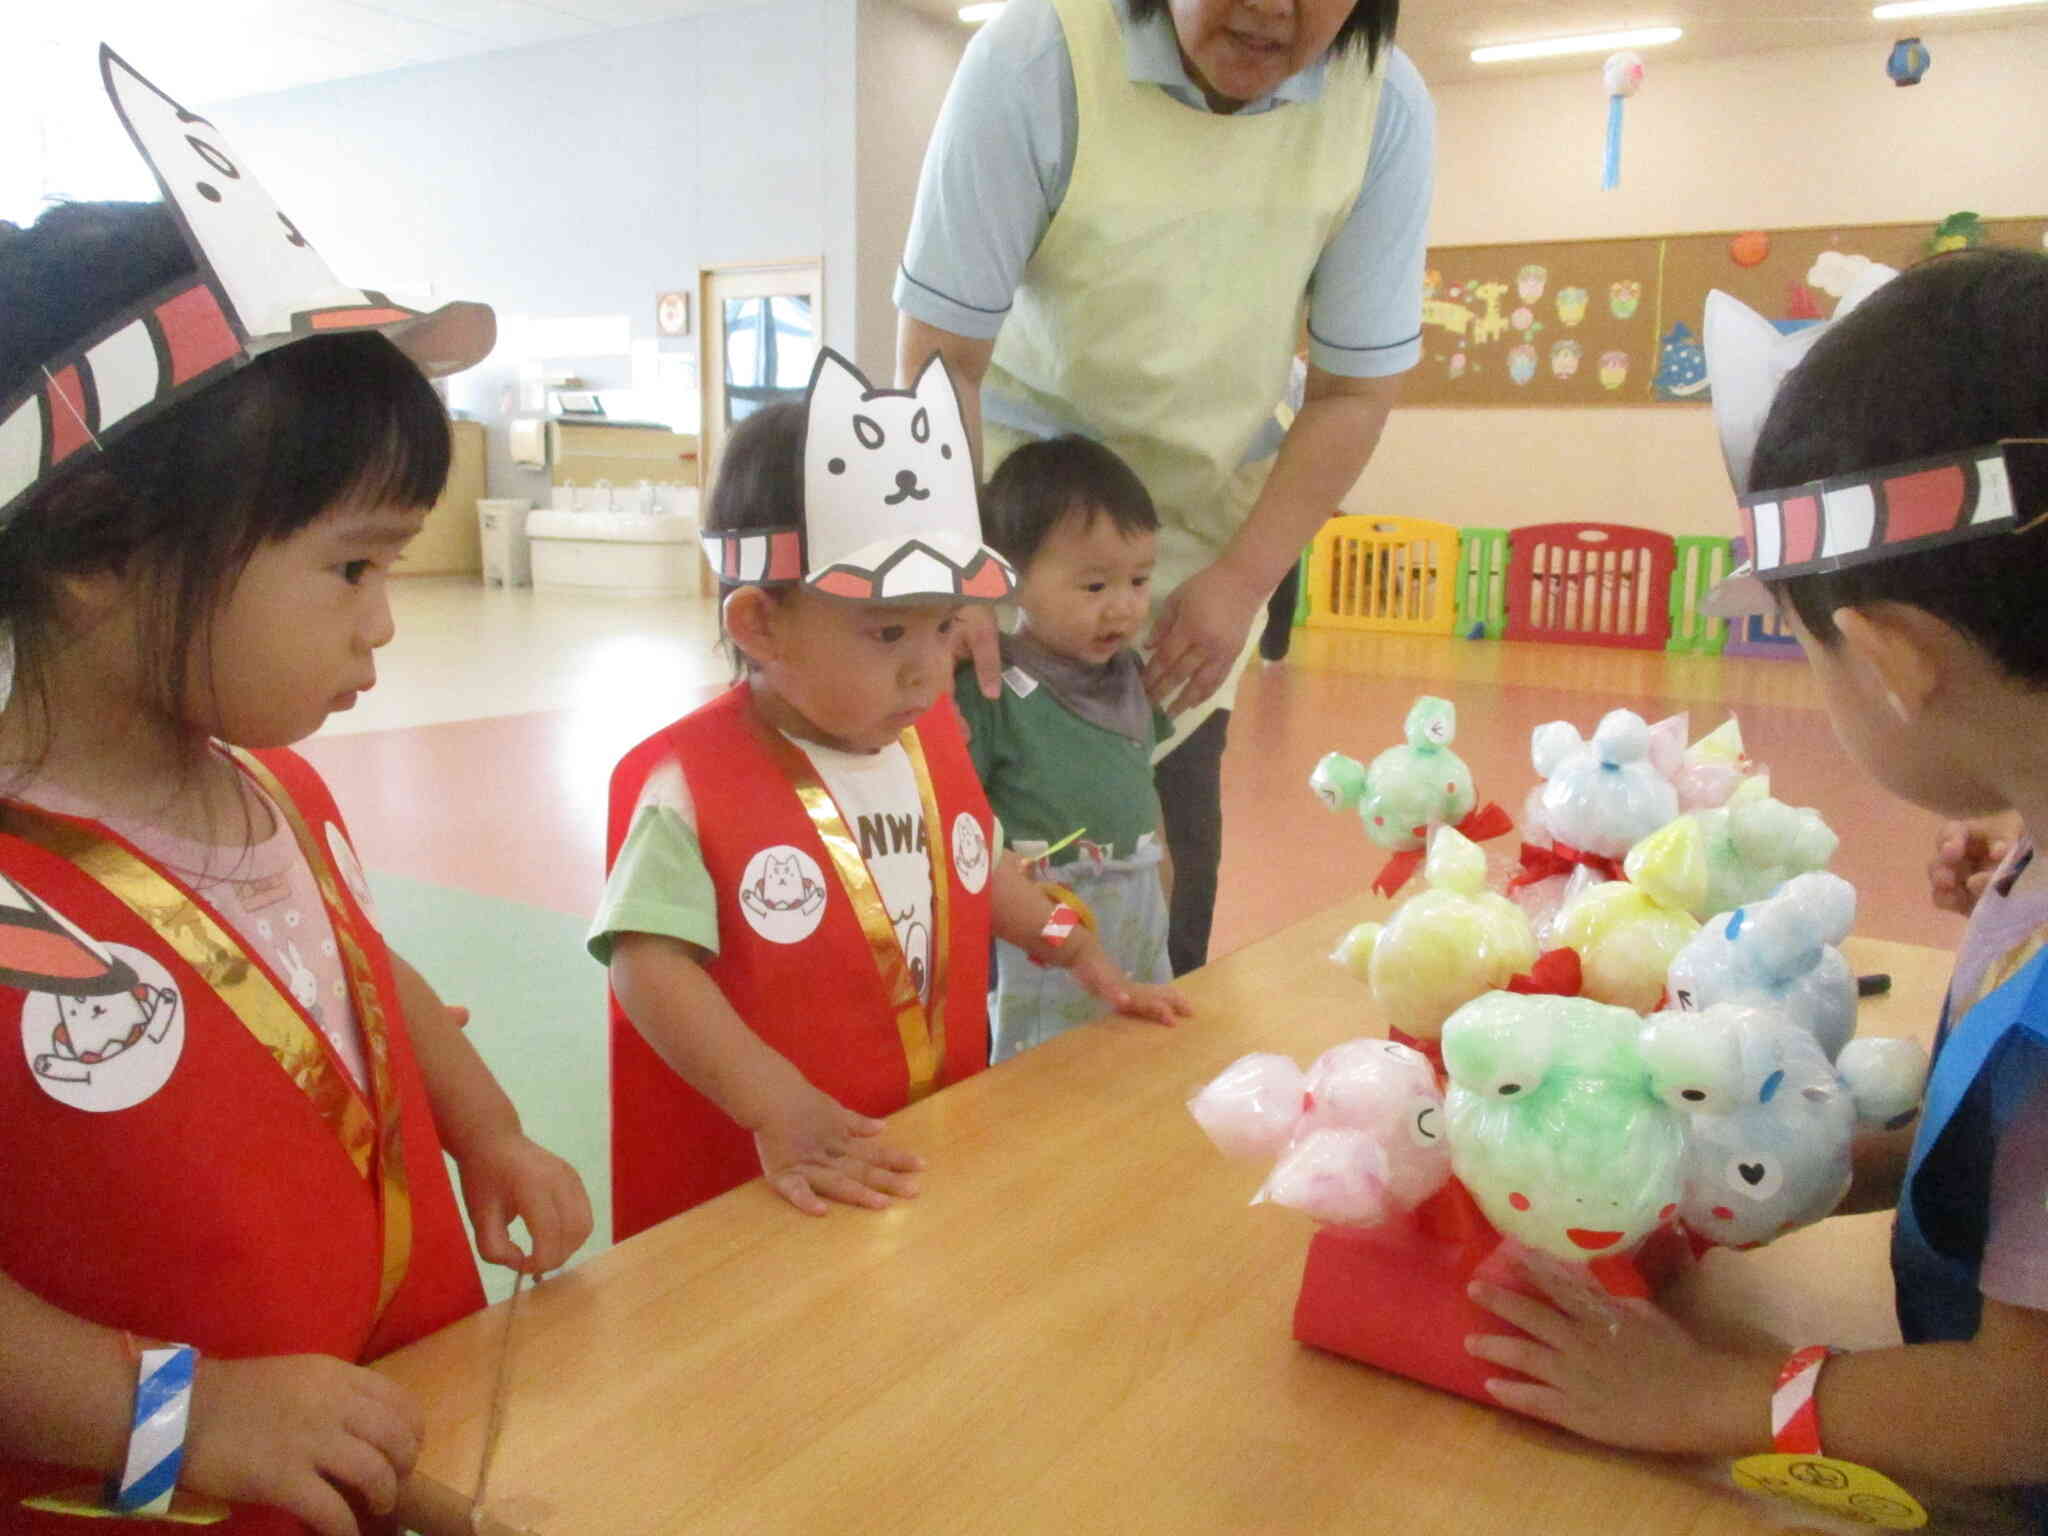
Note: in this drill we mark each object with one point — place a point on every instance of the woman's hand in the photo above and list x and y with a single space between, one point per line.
1198 635
974 639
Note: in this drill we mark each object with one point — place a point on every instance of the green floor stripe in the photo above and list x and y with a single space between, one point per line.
536 1002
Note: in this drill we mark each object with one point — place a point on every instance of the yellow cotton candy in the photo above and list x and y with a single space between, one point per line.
1626 942
1723 744
1455 863
1670 865
1440 951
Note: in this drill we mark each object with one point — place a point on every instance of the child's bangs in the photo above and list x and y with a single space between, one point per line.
343 420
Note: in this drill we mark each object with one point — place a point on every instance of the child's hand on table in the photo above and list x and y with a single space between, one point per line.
1620 1371
1092 966
815 1150
308 1433
510 1176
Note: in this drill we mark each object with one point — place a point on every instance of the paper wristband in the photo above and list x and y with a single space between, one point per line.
156 1430
1059 925
1797 1469
1795 1419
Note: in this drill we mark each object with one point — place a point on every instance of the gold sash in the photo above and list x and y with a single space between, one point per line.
371 1137
922 1029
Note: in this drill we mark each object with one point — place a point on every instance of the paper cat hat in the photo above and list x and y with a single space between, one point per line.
259 285
890 510
1850 519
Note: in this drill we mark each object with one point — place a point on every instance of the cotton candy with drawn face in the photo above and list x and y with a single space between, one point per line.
1553 1127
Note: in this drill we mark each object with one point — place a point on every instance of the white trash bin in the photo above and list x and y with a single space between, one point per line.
501 526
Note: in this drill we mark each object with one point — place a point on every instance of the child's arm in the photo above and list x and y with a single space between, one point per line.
505 1175
1019 909
813 1148
1624 1373
1879 1160
302 1432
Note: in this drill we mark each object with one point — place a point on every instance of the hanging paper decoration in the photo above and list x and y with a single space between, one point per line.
1749 249
1623 75
1908 62
1959 231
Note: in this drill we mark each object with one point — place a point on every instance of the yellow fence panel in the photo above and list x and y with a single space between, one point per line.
1384 573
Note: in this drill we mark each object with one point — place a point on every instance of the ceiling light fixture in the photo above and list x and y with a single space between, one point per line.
981 12
1601 42
1943 7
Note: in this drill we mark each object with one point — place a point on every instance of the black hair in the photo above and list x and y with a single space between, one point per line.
1949 356
1369 26
759 485
760 480
190 494
1059 477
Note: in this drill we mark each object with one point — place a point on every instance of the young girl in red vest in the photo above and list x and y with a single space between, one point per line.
222 1184
804 872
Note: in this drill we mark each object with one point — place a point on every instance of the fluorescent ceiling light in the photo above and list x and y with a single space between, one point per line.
1602 42
1943 7
982 12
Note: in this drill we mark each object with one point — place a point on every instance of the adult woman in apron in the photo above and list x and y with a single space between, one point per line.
1126 209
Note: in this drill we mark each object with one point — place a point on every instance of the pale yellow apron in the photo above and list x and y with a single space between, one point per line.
1162 308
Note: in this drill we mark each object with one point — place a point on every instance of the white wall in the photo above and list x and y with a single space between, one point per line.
906 61
1783 139
580 177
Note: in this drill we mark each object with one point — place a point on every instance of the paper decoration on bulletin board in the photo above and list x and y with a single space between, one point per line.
1618 322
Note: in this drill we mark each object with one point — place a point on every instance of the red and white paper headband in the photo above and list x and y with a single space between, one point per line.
1853 519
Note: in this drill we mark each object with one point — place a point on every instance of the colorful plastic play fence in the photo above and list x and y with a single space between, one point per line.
1590 584
1700 561
1482 583
1760 634
1383 573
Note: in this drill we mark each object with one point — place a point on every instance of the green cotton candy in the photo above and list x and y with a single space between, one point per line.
1553 1127
1408 789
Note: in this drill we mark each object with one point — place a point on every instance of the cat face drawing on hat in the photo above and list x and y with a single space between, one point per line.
260 285
1748 357
890 508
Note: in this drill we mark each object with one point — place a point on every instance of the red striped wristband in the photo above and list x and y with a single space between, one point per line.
1795 1419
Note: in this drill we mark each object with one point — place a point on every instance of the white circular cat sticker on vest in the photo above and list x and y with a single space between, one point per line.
111 1047
783 894
970 853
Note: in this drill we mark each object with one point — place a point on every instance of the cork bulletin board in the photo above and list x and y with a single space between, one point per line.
1617 322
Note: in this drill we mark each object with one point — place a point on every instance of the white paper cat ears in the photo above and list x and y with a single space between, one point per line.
890 510
1852 519
259 285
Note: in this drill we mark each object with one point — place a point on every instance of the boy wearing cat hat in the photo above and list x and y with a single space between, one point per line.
804 873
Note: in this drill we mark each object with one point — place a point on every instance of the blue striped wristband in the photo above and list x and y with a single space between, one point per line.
156 1430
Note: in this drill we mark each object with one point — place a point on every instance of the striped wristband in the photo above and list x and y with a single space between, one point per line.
1795 1419
156 1430
1060 924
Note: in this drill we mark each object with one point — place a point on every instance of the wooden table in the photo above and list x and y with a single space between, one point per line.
1078 1327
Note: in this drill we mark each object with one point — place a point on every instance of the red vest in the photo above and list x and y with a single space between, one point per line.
234 1207
822 1001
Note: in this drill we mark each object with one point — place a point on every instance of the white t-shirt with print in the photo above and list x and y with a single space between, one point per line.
658 882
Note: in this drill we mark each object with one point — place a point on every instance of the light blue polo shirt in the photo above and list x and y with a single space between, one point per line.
1002 154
